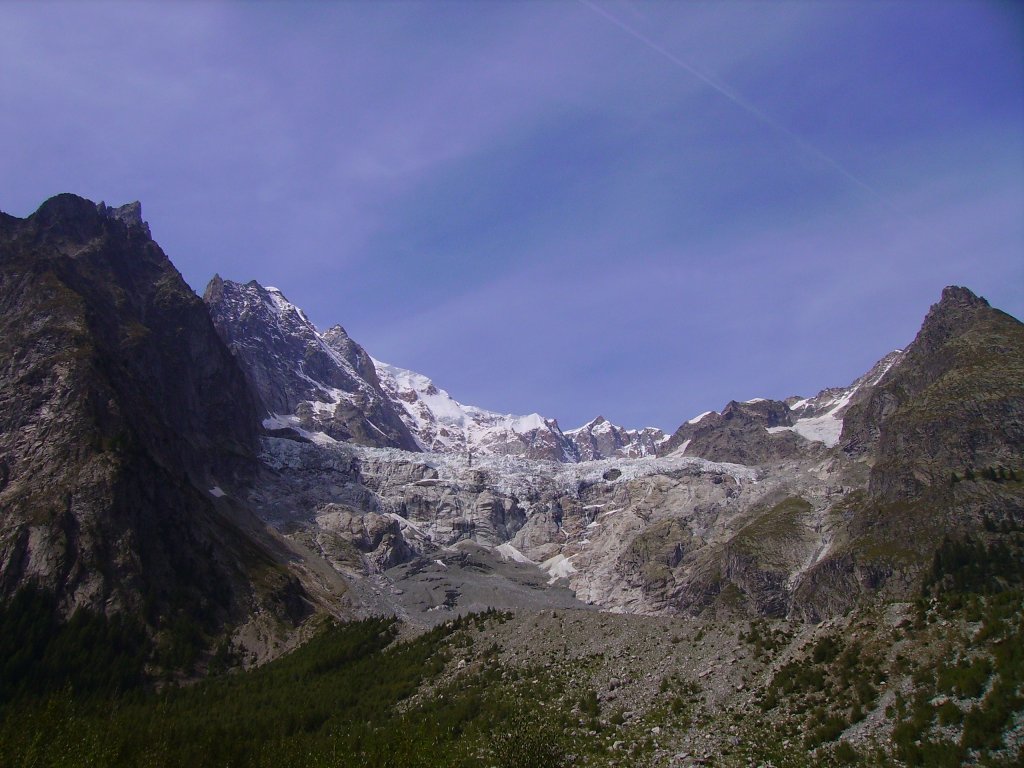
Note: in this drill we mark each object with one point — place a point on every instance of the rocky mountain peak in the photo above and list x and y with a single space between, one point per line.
952 315
338 339
957 295
65 207
64 215
767 413
442 424
955 400
323 384
78 219
129 214
762 430
748 432
119 409
601 439
326 386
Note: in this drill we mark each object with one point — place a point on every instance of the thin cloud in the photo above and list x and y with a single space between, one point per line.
742 103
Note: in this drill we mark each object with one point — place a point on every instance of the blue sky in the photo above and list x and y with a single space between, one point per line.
641 210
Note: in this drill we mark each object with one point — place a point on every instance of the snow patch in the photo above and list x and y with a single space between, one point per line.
682 448
217 491
526 424
508 552
699 418
822 429
827 427
405 524
558 567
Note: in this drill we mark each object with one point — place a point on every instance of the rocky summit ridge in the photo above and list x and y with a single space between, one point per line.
325 386
322 383
121 415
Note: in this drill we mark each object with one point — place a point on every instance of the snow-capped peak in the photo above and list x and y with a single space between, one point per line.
699 417
442 424
599 439
319 383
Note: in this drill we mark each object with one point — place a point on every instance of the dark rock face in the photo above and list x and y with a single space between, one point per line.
740 434
934 432
327 382
120 409
653 555
600 439
760 558
955 402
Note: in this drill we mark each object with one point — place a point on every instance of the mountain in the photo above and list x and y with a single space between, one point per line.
954 401
760 430
600 439
442 424
325 384
783 500
943 437
317 383
124 422
745 433
780 507
766 497
843 569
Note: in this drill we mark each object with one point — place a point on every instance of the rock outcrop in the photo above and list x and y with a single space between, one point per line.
745 433
123 419
318 383
600 439
955 402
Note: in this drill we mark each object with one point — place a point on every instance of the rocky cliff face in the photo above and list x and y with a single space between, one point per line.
942 437
955 402
122 416
319 383
442 424
600 439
